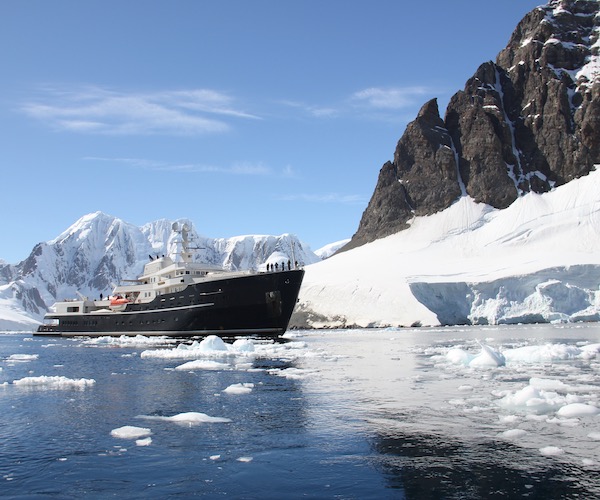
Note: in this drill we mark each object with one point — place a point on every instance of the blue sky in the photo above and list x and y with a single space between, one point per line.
247 117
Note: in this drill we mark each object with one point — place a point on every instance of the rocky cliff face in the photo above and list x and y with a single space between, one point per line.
528 122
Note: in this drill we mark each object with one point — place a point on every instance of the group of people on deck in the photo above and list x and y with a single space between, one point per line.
277 267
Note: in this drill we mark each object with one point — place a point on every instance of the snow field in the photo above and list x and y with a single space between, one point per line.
535 261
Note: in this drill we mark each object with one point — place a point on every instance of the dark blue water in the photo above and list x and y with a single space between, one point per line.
288 438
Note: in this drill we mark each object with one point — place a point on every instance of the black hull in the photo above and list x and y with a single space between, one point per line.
256 304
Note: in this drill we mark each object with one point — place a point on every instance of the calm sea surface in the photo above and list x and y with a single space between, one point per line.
336 414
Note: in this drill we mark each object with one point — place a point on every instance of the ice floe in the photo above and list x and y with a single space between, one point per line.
22 358
577 410
203 364
130 341
188 418
130 432
54 382
213 346
242 388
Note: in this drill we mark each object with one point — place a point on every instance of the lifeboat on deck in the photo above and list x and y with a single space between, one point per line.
118 303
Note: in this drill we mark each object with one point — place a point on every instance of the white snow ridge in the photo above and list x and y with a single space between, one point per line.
535 261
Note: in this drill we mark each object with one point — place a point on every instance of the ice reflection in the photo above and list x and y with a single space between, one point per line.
446 428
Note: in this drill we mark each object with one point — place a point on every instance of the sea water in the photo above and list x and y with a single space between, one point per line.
477 412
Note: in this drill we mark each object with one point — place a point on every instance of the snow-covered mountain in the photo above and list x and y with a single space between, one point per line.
99 251
535 261
328 250
457 230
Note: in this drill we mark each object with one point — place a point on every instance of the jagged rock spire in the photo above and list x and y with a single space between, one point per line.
528 122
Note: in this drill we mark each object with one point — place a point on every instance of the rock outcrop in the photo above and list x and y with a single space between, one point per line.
528 122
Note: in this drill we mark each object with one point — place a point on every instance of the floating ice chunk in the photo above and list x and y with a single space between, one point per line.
532 400
513 433
189 418
551 451
129 341
542 353
594 436
488 357
130 432
574 410
243 388
23 358
211 346
291 373
212 343
203 364
590 351
144 442
245 459
548 384
243 345
192 417
56 382
458 356
509 419
564 422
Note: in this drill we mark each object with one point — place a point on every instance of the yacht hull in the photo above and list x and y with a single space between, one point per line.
255 304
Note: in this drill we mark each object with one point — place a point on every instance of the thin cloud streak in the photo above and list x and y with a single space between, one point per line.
243 169
313 110
345 199
390 98
374 102
100 111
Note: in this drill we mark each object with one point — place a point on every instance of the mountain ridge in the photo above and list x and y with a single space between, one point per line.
527 122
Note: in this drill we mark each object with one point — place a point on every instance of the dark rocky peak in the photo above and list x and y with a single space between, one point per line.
528 122
559 36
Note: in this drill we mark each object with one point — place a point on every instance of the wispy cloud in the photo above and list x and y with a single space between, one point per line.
345 199
373 102
242 168
190 112
390 98
313 110
102 111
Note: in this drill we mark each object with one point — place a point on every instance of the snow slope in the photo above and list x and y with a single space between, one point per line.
538 260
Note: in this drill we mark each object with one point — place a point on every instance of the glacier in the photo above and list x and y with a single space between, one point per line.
536 261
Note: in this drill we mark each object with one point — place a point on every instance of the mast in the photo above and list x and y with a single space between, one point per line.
293 253
179 246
